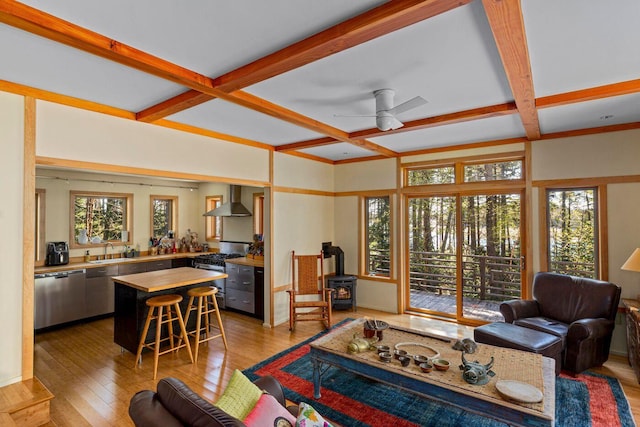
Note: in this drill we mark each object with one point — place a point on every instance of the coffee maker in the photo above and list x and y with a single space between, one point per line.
57 253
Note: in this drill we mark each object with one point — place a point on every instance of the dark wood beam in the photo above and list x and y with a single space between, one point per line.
507 24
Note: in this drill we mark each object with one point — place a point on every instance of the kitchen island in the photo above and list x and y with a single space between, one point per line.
132 290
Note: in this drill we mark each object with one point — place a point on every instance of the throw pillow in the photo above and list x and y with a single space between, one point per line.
239 397
309 417
269 412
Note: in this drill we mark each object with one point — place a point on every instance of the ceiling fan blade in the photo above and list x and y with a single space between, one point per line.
354 115
408 105
396 124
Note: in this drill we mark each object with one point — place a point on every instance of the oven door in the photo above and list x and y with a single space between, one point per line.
220 283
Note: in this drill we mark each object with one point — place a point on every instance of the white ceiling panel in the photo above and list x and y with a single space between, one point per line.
211 37
41 63
495 128
432 59
602 112
339 151
578 44
225 117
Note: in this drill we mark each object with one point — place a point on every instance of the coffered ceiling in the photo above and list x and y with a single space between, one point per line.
289 75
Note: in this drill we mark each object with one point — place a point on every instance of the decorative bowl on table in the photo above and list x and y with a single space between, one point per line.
426 367
383 348
404 360
441 364
418 359
385 356
399 353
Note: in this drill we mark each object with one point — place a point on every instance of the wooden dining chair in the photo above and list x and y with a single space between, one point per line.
309 299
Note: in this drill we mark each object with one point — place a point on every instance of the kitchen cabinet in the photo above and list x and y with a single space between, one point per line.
243 291
99 294
161 264
131 268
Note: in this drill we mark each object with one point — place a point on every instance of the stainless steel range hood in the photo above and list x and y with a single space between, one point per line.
232 208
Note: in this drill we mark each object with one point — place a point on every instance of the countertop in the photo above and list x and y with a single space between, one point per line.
115 261
160 280
246 261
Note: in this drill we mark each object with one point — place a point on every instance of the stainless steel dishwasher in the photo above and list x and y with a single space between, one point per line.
59 297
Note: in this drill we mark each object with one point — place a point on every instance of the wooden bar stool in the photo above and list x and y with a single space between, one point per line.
159 303
206 304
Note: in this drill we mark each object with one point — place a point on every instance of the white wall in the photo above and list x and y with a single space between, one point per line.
11 173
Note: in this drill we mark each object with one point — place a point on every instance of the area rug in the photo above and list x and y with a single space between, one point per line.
587 400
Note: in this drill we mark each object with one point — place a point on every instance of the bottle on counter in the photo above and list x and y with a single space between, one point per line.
87 257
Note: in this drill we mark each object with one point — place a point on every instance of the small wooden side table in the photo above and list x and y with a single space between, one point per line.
632 308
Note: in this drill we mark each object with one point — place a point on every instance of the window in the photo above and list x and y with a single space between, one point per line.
258 213
213 224
164 215
493 171
431 175
572 231
103 215
377 236
40 224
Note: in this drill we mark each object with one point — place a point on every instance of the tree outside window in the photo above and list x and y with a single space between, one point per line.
164 215
377 245
102 215
572 231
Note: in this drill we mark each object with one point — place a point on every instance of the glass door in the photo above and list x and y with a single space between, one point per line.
464 254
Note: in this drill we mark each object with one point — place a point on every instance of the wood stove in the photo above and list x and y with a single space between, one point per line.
344 296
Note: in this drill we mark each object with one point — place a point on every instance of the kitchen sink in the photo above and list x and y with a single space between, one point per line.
107 261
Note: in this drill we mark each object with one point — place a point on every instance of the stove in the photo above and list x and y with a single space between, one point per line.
215 262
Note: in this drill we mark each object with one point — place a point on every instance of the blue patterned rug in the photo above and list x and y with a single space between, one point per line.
588 400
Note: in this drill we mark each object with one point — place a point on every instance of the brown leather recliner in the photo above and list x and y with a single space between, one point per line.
580 311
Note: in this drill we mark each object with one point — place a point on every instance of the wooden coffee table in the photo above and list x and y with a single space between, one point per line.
448 386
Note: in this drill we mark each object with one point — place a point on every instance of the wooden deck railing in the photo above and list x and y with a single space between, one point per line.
484 277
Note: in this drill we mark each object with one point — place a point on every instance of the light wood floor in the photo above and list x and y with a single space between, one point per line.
92 380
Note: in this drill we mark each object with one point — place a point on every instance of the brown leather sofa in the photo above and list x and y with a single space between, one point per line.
580 311
174 404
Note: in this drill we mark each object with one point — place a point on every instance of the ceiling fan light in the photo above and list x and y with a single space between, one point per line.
385 123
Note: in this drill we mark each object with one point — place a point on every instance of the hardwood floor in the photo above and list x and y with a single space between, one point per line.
93 380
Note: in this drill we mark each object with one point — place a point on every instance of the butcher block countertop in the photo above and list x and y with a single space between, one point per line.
245 261
153 281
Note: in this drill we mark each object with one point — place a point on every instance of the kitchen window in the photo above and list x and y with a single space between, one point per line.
40 224
164 215
258 213
213 224
376 215
103 216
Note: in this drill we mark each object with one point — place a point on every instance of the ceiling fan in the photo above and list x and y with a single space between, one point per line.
385 111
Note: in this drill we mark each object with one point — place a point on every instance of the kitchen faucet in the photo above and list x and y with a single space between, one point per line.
107 244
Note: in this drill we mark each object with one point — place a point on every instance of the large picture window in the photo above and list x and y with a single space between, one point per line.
572 231
103 216
377 241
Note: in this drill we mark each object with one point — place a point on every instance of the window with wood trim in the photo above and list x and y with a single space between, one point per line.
377 236
572 231
40 235
104 216
258 213
164 216
213 224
